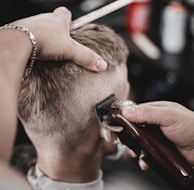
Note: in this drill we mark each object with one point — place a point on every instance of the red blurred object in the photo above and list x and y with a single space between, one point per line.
138 16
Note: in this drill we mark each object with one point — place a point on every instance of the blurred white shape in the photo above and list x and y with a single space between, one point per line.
173 28
89 5
146 46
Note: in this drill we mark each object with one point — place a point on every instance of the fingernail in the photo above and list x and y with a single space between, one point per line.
101 65
143 165
128 111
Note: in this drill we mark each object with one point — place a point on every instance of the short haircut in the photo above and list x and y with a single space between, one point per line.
56 101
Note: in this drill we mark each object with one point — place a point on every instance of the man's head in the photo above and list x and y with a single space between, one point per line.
57 100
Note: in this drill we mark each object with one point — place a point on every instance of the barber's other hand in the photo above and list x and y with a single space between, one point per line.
176 122
52 32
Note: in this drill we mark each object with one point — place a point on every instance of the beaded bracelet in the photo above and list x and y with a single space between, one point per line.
33 41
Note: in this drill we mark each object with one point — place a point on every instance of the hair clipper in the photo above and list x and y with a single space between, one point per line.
148 141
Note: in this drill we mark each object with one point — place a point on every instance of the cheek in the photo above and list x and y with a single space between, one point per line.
123 91
126 91
125 87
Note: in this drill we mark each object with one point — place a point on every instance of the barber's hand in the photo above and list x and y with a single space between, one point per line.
176 122
52 32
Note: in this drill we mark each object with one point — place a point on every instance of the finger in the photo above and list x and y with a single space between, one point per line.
149 113
85 57
131 153
65 15
143 165
63 12
119 153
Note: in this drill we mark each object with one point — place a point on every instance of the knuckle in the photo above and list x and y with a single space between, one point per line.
65 11
146 108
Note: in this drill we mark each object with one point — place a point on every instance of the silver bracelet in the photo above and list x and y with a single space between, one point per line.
34 45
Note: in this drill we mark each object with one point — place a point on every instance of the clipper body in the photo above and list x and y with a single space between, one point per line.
147 140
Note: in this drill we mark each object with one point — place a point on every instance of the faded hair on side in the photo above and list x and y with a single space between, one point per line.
57 99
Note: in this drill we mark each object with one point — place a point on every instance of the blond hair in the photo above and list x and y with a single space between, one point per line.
56 101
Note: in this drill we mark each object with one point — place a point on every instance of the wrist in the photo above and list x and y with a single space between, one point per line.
19 39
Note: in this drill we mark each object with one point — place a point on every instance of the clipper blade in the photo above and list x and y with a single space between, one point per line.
103 108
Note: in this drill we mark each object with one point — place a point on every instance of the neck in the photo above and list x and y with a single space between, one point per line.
78 166
70 169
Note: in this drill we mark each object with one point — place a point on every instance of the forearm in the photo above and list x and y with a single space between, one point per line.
15 48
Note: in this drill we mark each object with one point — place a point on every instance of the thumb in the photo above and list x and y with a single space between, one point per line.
84 56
